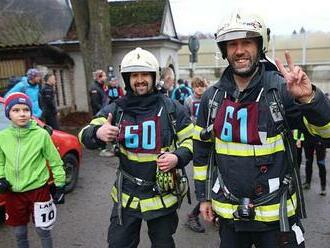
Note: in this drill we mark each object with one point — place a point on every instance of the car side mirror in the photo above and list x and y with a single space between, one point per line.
49 129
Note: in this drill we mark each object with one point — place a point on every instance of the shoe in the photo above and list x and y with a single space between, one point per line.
306 186
323 191
194 224
106 153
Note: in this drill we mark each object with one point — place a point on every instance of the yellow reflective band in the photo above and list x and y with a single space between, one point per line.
196 135
185 133
134 203
273 145
155 203
200 173
323 131
267 213
98 121
188 144
80 134
139 157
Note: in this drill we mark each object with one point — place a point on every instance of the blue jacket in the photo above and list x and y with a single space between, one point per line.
32 90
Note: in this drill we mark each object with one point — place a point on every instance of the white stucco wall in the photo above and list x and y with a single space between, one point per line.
79 85
163 50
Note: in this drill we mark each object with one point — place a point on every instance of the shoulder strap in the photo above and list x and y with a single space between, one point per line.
278 114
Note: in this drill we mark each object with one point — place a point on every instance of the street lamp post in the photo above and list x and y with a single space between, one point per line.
193 45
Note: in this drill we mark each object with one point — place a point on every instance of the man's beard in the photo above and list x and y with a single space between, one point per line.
247 71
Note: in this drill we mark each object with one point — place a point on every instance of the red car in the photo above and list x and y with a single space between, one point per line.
67 145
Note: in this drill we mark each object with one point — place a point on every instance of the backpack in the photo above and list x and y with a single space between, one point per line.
13 80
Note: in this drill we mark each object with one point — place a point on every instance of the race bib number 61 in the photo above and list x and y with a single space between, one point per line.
44 214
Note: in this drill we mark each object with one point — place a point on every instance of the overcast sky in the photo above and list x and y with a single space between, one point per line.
282 16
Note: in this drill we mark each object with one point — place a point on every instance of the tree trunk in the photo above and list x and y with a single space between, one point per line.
92 20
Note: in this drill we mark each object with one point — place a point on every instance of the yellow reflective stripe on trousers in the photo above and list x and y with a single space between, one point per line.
323 131
197 132
273 145
185 133
153 203
187 144
200 173
267 213
134 203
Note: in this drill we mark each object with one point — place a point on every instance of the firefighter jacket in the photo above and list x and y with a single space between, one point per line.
249 150
145 132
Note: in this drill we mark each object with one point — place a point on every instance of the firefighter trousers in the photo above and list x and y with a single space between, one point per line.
160 230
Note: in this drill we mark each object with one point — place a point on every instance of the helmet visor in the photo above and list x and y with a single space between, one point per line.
137 68
237 35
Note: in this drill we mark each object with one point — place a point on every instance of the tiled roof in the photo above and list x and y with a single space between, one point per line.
129 19
136 18
20 31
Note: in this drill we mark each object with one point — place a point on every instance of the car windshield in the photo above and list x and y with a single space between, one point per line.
4 122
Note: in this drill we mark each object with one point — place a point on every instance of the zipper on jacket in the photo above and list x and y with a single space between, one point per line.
17 158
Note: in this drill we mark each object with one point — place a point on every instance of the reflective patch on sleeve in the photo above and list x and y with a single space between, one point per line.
200 173
323 131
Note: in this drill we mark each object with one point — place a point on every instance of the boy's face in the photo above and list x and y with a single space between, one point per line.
199 90
20 115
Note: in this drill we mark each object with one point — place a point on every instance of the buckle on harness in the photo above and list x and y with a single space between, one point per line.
138 181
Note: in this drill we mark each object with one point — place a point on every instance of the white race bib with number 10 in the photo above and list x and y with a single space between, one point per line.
44 214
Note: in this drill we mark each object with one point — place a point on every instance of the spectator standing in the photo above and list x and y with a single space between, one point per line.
311 146
30 85
181 92
168 77
192 105
97 91
114 91
47 101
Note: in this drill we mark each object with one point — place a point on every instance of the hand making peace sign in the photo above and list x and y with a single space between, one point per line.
298 83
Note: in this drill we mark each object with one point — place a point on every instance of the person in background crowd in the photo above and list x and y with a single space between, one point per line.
151 148
243 135
168 77
299 138
30 85
192 105
181 92
311 145
114 91
47 101
26 151
97 92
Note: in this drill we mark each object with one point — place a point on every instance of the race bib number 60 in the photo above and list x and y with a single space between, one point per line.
44 213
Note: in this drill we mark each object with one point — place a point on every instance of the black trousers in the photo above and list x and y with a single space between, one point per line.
160 231
309 148
265 239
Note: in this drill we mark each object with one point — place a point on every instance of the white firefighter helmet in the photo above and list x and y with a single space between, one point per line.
240 25
139 60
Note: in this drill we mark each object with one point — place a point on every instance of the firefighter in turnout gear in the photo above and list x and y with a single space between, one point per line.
249 181
153 138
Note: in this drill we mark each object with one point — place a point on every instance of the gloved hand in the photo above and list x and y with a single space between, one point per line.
4 185
58 196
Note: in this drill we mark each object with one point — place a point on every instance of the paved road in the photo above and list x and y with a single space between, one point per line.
84 218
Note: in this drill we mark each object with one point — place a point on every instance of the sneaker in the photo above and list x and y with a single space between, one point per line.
194 224
323 191
106 153
306 186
